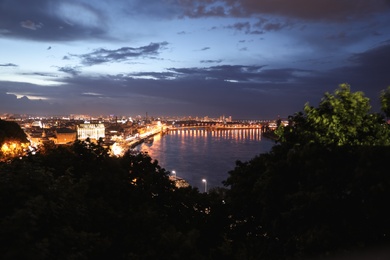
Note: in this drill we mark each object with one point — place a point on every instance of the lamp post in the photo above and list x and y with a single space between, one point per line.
174 173
205 185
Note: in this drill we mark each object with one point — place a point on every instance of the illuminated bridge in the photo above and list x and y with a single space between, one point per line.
205 132
213 126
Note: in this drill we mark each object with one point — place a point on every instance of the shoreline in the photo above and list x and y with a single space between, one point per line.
270 135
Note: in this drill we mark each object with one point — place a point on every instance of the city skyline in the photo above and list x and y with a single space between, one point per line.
245 59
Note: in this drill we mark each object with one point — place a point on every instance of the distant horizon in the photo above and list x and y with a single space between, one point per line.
94 117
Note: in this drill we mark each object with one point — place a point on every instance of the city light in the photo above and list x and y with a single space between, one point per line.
12 149
205 185
116 149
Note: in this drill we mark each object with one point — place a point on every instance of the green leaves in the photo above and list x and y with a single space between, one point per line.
342 118
323 190
385 101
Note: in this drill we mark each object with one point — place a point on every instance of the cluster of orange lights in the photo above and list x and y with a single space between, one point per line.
13 149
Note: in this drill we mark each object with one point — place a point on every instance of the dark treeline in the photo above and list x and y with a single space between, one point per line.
322 191
11 131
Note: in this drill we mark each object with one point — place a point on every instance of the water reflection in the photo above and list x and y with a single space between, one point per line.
199 153
236 134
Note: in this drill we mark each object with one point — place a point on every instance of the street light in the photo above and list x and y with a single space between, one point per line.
174 173
205 185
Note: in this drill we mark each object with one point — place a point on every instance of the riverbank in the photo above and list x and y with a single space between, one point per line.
144 138
270 135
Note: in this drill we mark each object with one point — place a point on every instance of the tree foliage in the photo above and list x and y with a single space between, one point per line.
385 101
310 202
78 202
342 118
11 131
13 140
321 191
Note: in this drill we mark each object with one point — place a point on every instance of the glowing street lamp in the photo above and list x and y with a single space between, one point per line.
174 173
205 185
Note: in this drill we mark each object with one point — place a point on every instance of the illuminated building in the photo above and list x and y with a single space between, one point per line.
37 124
65 135
92 131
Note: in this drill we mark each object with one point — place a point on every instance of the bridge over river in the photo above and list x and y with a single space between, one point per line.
216 127
201 130
225 133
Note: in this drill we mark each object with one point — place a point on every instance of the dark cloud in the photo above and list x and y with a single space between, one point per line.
378 57
227 73
256 32
369 70
74 71
154 9
184 96
8 65
205 49
302 9
200 9
31 25
10 102
286 90
242 27
178 91
338 36
23 105
262 26
261 92
211 61
40 74
103 55
46 20
273 27
222 72
268 25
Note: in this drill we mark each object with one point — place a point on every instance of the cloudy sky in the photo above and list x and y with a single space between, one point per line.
252 59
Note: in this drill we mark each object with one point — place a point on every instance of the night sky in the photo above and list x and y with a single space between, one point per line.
249 59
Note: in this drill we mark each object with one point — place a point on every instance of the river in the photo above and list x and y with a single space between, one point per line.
197 154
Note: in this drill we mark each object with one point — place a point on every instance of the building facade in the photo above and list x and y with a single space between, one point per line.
65 135
92 131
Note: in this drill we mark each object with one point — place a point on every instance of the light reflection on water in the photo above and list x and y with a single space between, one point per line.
197 154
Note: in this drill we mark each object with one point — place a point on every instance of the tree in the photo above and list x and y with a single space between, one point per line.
321 191
342 118
11 131
13 140
79 202
385 101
